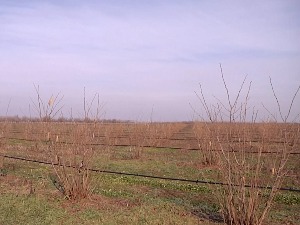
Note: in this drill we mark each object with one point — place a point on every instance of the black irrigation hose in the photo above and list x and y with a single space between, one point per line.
164 138
149 146
149 176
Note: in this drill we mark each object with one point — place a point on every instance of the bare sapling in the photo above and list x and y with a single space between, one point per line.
72 157
47 111
72 175
88 108
230 138
137 139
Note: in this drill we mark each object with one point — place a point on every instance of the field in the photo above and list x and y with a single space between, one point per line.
126 155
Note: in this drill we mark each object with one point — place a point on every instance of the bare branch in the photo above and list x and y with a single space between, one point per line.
204 104
238 95
196 112
220 102
39 108
292 102
278 104
246 101
296 117
225 85
269 112
91 104
8 107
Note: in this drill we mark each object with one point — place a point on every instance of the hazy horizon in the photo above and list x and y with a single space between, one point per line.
147 58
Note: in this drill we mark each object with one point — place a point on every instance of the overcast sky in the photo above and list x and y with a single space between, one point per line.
147 56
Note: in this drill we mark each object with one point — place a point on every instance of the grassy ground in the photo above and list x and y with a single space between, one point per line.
27 195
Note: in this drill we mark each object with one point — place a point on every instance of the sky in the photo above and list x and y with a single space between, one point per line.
147 58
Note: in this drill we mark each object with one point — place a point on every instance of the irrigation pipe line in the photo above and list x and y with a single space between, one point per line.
148 176
146 146
163 138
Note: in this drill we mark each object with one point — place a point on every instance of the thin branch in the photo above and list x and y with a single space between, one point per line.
227 91
91 104
296 117
98 107
238 95
290 108
220 102
196 112
8 107
246 101
269 112
254 115
39 109
278 104
204 104
84 104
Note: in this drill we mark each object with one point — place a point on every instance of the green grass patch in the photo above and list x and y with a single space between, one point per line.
28 210
156 183
288 198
